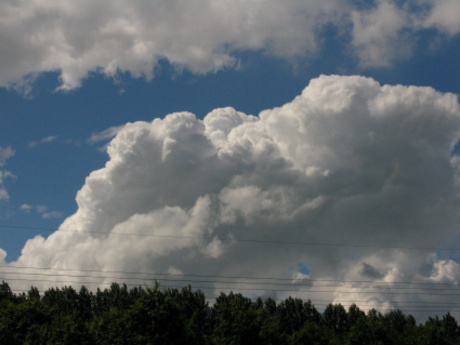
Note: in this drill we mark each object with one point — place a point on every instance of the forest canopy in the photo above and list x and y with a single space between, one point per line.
152 315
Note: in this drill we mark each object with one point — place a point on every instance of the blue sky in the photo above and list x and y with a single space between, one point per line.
53 101
51 173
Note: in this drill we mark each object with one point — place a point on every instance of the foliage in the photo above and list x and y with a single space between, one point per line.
119 315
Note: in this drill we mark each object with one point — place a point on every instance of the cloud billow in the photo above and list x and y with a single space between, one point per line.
351 171
202 36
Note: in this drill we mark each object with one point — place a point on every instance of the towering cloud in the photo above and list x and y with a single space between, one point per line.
201 35
351 181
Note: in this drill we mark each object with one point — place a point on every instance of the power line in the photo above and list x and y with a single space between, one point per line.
369 290
260 241
378 304
250 282
192 276
236 282
431 308
413 306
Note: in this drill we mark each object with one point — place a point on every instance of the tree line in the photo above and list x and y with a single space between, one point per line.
151 315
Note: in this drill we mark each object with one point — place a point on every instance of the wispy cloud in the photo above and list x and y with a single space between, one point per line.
41 210
104 136
5 154
26 208
52 214
45 140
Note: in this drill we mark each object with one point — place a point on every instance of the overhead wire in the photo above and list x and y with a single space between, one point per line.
251 282
193 276
241 240
267 287
235 282
407 306
415 306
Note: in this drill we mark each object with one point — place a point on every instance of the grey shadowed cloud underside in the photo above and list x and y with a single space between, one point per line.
348 161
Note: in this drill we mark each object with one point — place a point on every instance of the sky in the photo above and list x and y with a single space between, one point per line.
272 148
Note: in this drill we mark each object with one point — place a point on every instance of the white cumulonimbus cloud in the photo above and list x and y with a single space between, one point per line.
203 36
352 180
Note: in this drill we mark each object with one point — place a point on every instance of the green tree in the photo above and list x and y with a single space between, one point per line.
156 318
112 327
236 321
5 292
27 322
268 319
335 321
442 332
293 313
194 313
400 328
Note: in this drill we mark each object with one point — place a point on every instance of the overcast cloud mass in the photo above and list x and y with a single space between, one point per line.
76 38
348 162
